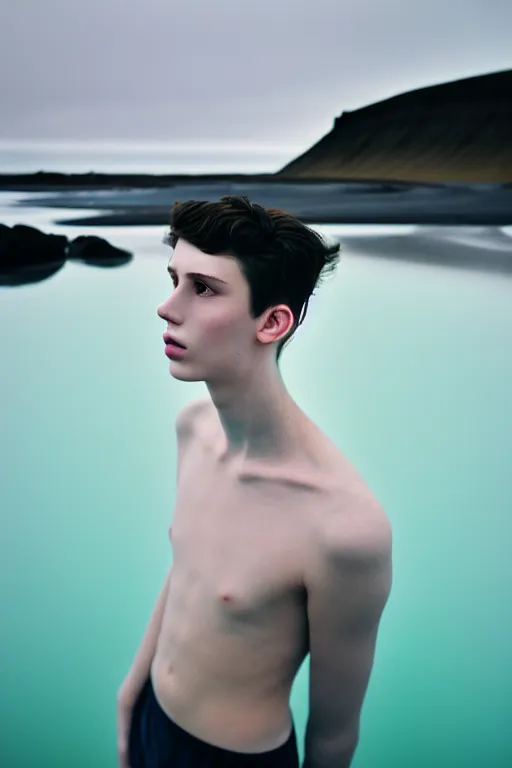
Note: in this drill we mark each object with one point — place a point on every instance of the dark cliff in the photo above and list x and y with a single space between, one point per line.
457 131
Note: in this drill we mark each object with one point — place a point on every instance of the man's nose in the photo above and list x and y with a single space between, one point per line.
168 308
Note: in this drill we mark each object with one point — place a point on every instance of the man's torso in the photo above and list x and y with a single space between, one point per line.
235 628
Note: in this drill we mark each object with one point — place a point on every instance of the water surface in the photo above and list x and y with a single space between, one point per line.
404 364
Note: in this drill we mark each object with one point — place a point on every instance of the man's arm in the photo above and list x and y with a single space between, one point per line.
141 665
348 587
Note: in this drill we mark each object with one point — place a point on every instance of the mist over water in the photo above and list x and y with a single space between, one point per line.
139 157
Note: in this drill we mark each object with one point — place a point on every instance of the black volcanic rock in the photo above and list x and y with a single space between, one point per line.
30 256
459 131
97 252
26 246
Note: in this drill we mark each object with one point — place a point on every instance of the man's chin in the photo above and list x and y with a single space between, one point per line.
180 372
182 375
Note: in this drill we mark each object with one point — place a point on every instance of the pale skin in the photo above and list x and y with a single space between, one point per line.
279 547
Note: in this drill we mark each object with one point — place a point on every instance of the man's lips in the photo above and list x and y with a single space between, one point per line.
168 339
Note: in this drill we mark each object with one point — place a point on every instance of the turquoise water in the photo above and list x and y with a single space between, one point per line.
406 366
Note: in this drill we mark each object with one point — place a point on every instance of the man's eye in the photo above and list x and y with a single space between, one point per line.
202 285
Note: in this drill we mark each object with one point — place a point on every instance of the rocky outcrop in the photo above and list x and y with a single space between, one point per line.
97 252
28 255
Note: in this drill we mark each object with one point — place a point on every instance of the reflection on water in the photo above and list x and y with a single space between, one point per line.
481 248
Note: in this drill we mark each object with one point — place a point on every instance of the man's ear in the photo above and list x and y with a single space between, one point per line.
275 323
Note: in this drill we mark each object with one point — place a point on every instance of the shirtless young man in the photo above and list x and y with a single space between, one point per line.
280 549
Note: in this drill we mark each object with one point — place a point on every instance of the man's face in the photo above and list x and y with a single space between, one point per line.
209 317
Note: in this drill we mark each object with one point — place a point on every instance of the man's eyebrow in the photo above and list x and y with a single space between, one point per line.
172 271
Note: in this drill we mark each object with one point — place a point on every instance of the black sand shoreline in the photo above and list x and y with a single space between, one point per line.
156 218
142 200
46 181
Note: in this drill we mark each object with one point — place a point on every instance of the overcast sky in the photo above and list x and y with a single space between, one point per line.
262 71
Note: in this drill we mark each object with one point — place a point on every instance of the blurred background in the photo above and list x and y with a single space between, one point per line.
387 127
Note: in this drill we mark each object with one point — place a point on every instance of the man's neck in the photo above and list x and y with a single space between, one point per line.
258 421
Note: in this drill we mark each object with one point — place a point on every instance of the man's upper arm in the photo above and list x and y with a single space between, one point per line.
348 587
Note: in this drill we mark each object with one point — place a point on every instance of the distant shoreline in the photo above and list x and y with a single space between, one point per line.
142 200
46 181
433 218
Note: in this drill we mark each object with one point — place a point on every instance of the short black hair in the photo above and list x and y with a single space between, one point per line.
281 258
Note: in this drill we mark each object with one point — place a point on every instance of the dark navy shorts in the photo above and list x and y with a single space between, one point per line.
156 741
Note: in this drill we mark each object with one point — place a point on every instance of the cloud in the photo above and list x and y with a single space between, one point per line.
191 69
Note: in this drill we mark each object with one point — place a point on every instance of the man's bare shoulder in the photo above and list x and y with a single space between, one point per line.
350 512
190 414
350 549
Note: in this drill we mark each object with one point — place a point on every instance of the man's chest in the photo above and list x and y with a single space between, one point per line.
240 543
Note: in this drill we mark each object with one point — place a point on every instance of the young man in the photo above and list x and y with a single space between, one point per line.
280 549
